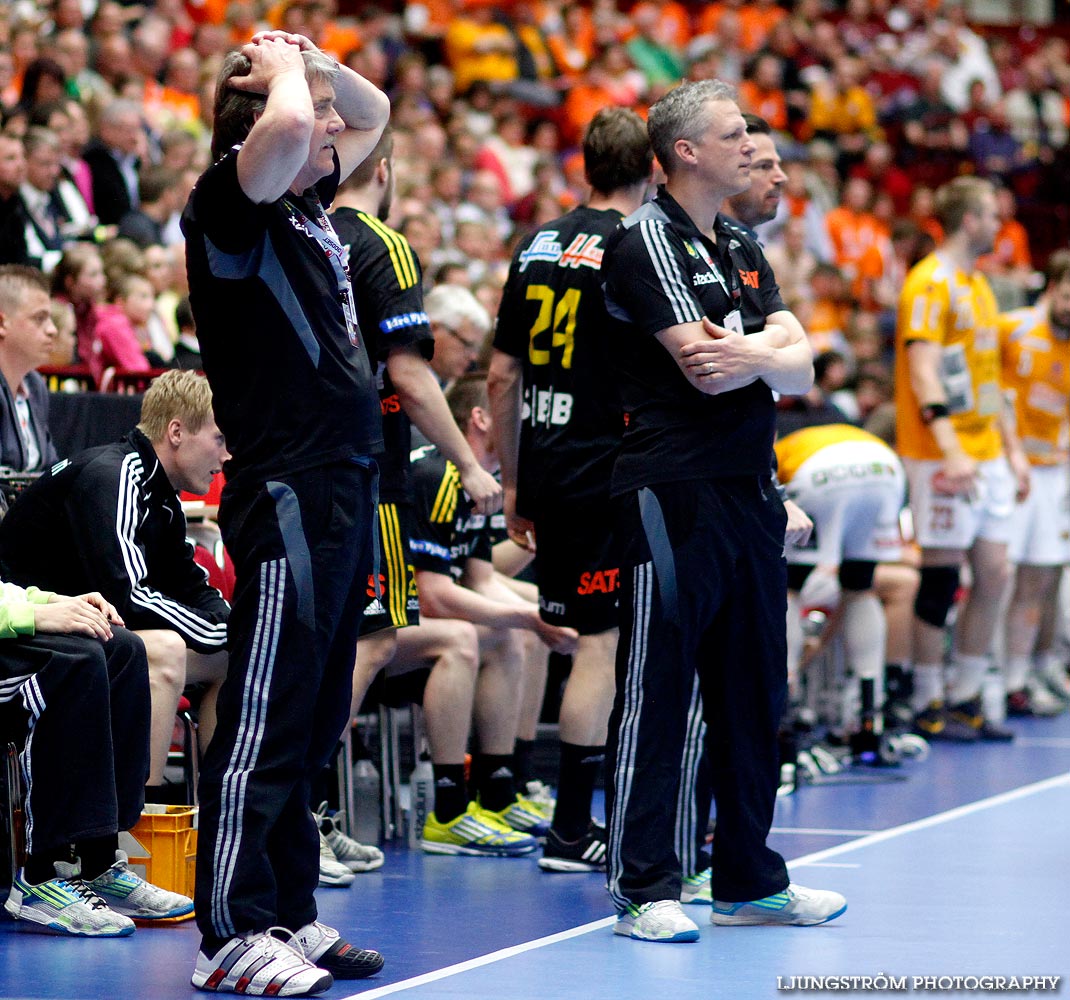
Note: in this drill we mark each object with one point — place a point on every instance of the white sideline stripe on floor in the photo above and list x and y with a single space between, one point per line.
475 963
1058 742
935 820
828 864
809 859
821 832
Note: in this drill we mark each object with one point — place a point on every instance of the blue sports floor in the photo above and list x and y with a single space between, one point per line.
958 867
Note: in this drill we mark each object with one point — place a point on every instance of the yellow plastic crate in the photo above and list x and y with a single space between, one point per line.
165 853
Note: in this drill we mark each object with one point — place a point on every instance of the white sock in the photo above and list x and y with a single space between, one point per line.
968 674
865 633
1016 671
928 685
795 643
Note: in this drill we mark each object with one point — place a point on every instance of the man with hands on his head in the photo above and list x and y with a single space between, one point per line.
295 396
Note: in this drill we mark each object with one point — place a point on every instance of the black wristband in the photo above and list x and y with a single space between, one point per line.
934 411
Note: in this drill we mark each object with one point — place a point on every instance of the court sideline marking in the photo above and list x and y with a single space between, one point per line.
874 838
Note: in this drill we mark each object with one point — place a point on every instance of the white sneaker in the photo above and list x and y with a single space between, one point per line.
795 905
66 905
260 965
542 795
1057 680
696 889
128 893
355 856
324 946
332 872
663 921
1043 700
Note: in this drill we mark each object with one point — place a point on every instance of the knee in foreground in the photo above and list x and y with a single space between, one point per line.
936 594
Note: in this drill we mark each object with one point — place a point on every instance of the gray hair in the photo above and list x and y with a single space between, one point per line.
453 304
236 111
37 137
114 111
683 113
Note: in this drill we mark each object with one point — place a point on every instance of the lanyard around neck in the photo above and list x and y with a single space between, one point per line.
733 293
337 255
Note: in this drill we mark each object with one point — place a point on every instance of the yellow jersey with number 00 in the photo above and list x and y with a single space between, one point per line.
945 306
1036 370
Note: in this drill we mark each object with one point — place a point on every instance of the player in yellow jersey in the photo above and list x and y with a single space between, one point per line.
853 487
1036 371
956 441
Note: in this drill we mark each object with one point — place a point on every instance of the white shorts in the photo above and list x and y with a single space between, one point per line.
956 522
853 492
1040 527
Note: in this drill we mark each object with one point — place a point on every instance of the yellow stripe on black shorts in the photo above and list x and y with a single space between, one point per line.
396 574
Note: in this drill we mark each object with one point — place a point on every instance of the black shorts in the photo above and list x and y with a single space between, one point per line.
398 603
396 690
577 568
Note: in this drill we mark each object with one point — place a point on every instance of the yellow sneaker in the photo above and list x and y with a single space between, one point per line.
524 815
475 832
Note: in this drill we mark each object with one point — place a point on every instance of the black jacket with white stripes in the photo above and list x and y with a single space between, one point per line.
110 520
660 271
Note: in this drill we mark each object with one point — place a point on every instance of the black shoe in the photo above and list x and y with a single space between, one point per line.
936 723
898 717
970 713
588 854
323 946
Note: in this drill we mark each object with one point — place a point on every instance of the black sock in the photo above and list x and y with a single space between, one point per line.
451 797
41 868
580 767
495 786
523 751
167 793
325 785
210 945
97 854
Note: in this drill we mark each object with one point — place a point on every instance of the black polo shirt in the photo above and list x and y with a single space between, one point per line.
292 389
660 271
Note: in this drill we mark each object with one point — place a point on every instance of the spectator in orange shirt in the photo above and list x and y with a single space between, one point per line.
672 23
923 214
853 228
335 38
830 310
761 93
757 20
611 80
571 37
1011 252
1010 264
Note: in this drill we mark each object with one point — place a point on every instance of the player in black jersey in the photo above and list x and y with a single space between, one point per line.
452 554
558 423
387 285
294 395
702 530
